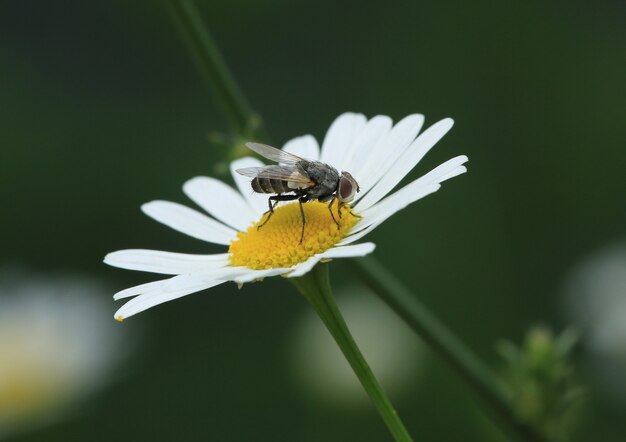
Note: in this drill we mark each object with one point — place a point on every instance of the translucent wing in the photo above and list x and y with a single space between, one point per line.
283 173
271 153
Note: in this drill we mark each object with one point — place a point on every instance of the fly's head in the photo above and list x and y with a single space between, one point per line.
347 189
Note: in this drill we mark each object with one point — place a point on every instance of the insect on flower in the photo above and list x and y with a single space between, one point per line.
379 153
295 178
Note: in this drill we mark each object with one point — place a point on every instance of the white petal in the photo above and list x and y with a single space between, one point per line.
304 146
253 275
362 144
396 202
303 267
406 162
335 252
360 233
139 289
340 135
389 149
188 282
257 201
349 251
456 172
189 222
235 274
451 168
359 152
221 201
447 170
158 296
167 263
429 183
184 282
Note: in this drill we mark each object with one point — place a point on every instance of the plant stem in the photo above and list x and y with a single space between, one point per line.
210 60
478 376
315 286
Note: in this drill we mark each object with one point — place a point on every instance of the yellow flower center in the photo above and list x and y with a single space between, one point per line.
277 242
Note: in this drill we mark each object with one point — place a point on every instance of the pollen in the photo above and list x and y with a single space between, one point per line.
277 243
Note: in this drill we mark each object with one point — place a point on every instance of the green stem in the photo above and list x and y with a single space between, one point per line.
315 286
478 376
210 60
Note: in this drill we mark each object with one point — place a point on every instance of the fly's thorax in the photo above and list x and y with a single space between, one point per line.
326 178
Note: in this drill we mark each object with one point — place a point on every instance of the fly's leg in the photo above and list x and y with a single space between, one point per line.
272 201
301 200
304 199
331 199
330 209
356 215
341 206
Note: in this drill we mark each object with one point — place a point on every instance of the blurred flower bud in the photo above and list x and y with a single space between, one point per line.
540 381
233 146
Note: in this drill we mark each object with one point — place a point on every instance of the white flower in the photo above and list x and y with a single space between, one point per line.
595 301
50 359
378 154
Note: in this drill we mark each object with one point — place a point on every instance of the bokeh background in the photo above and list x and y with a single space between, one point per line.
102 109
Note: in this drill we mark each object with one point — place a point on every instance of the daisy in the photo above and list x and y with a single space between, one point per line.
375 152
52 362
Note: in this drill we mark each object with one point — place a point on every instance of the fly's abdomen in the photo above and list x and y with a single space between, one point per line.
269 185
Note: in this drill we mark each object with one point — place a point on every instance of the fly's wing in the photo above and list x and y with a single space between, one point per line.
277 155
283 173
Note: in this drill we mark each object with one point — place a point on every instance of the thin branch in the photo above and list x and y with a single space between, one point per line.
459 357
212 64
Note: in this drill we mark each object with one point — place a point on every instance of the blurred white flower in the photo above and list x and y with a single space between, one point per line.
392 349
595 302
57 344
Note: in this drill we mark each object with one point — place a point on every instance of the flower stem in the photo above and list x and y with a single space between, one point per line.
228 95
478 376
315 287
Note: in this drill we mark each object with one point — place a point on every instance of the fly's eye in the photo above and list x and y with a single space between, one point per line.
347 189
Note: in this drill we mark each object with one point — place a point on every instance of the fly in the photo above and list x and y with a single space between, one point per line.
295 178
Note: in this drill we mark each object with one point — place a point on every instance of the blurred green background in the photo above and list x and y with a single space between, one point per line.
102 109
